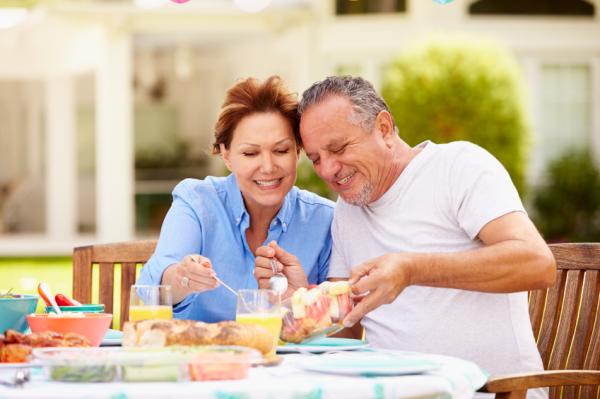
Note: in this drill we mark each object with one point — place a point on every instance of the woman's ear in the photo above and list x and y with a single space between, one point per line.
225 156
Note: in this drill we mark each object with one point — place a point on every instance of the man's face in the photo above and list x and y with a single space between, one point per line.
348 158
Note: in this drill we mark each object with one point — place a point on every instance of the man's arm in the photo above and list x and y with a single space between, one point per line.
515 258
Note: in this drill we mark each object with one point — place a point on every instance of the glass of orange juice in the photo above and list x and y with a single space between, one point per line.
261 307
150 302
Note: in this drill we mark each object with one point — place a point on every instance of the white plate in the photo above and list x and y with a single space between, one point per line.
18 365
324 345
368 364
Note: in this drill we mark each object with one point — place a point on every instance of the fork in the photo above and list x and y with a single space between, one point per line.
21 377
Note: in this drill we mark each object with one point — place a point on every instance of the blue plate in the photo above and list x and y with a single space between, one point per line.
369 364
112 338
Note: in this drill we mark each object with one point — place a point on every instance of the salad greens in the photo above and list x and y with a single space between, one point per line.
96 373
9 294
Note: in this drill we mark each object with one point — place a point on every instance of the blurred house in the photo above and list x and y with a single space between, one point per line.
106 104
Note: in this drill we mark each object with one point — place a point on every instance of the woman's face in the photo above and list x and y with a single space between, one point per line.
263 156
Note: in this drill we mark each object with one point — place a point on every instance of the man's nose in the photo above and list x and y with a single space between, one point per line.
330 167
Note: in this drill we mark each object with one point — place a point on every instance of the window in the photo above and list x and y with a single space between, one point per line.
565 120
346 7
533 7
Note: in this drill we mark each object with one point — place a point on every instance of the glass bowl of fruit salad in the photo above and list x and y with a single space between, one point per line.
316 311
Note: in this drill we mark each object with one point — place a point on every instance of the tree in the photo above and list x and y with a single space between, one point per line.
457 89
567 206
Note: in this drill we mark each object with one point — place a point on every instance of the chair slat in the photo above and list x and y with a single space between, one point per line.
537 299
583 330
590 392
107 272
570 392
127 280
550 318
566 322
592 359
82 274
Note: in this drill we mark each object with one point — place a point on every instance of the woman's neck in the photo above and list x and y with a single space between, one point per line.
260 221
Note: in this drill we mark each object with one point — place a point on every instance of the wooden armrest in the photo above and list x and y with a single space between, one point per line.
550 378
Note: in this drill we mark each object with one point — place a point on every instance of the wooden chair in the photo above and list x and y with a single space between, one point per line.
566 324
127 254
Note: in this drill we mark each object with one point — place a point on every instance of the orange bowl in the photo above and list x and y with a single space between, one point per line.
93 326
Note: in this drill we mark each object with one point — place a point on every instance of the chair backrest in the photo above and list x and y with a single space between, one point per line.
566 316
107 256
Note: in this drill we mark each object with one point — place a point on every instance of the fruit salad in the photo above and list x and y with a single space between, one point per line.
313 311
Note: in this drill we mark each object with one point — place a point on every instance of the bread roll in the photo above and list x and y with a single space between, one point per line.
160 333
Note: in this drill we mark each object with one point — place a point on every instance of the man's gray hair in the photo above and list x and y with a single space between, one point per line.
366 103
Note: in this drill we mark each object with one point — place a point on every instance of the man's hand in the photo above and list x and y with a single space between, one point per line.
287 263
193 274
378 281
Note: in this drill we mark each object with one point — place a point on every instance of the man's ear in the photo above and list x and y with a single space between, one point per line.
385 125
225 156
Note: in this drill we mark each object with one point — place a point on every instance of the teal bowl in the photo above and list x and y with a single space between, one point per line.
14 310
88 308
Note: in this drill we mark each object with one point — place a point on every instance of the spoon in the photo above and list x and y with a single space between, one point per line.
278 281
234 292
46 295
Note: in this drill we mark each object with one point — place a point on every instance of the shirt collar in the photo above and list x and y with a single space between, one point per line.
235 197
239 208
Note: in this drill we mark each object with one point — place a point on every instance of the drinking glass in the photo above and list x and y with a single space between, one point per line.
150 302
263 308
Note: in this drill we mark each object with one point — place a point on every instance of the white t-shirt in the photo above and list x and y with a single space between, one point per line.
439 203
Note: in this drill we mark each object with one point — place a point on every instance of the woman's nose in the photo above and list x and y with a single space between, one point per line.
267 165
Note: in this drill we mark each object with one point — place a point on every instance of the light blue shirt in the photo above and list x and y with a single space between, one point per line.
208 217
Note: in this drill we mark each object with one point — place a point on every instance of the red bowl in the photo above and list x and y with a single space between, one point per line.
93 326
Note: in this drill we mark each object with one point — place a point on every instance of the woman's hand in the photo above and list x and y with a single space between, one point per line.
287 263
193 274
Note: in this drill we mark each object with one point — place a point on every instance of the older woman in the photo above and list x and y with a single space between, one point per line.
215 225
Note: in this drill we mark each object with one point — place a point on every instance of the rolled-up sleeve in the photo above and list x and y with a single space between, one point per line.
180 235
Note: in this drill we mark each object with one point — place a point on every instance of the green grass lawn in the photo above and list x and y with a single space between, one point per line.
24 274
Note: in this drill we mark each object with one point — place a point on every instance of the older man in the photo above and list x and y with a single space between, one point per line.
436 234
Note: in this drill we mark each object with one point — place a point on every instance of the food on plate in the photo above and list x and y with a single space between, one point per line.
78 364
151 373
14 353
219 366
310 311
341 303
154 364
16 347
92 373
160 333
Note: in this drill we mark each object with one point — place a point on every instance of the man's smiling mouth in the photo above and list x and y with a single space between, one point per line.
346 179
